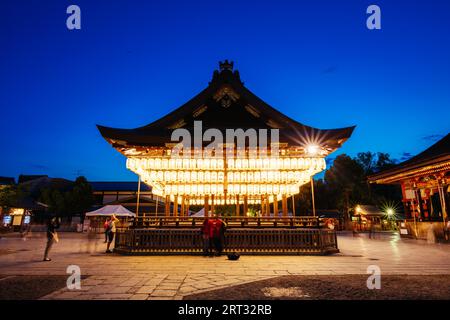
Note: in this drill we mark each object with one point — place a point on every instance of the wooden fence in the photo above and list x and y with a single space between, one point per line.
232 222
245 241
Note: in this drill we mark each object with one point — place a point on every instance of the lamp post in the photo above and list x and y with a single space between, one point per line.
312 150
390 212
312 197
416 196
138 196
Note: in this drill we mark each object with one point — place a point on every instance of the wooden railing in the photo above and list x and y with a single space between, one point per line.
232 222
245 241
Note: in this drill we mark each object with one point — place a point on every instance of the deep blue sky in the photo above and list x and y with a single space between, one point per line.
134 61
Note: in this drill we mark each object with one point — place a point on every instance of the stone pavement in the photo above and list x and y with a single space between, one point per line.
172 277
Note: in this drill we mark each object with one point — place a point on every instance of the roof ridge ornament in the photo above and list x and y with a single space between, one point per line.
226 68
226 65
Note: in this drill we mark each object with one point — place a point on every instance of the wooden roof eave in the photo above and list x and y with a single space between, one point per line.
430 159
398 174
157 132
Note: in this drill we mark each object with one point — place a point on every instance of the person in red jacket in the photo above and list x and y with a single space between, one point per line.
217 233
105 228
207 238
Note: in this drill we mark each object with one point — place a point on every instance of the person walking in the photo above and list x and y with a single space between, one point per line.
52 236
24 230
111 232
207 240
431 236
447 230
371 229
106 228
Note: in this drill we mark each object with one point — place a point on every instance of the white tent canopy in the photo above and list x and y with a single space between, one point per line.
109 210
200 213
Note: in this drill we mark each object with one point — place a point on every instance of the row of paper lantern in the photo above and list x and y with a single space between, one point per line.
186 176
219 176
232 164
261 189
276 164
175 163
267 176
233 189
200 201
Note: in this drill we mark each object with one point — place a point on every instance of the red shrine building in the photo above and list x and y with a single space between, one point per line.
425 183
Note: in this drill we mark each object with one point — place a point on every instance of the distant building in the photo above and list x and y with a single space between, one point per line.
18 214
7 181
125 193
26 177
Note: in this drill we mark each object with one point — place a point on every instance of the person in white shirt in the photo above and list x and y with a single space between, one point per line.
111 230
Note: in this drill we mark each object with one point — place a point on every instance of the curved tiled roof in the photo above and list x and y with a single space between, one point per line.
438 153
225 104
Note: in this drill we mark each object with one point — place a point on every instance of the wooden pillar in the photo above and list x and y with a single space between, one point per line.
313 197
237 206
167 206
138 197
284 205
417 211
212 205
245 206
414 215
419 206
187 207
443 205
175 206
267 206
183 200
293 205
275 205
263 206
206 207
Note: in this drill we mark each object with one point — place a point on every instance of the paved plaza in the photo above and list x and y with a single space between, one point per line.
112 276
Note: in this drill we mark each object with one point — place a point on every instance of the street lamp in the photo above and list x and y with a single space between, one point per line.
390 212
312 149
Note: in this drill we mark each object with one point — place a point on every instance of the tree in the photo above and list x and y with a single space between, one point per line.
368 162
384 161
80 198
73 202
374 162
346 181
303 200
10 196
345 185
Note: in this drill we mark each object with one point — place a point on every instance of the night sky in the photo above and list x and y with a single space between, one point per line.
134 61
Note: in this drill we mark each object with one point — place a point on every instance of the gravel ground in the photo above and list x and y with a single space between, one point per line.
29 287
348 287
